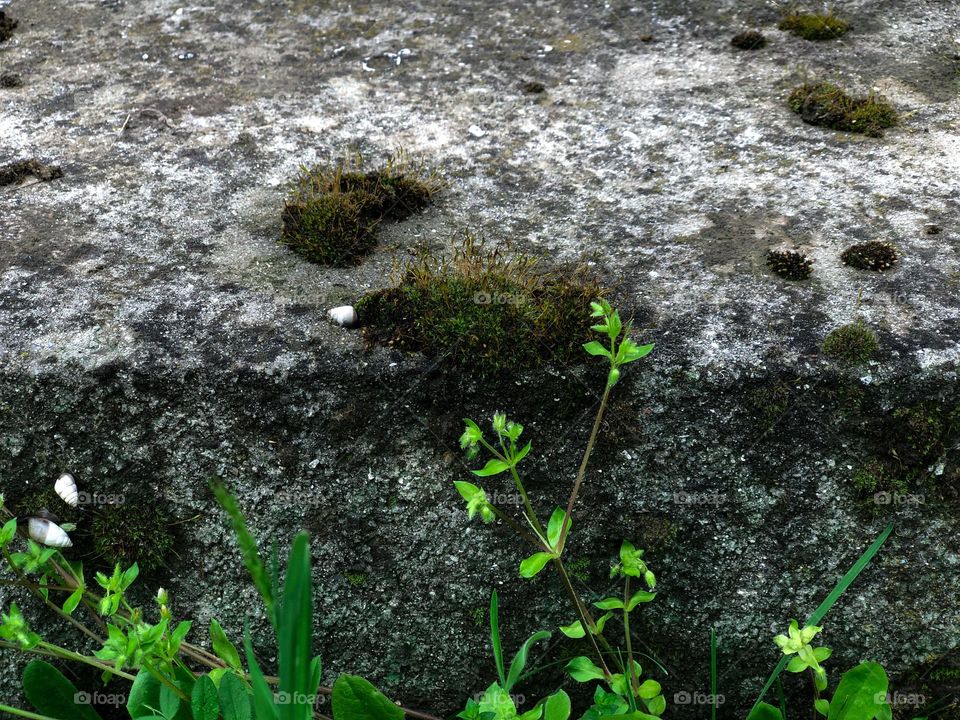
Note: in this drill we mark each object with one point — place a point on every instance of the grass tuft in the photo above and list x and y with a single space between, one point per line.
331 214
484 310
828 105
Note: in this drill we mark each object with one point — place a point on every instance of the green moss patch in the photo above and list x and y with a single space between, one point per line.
789 264
873 255
815 26
331 214
854 343
484 310
130 533
828 105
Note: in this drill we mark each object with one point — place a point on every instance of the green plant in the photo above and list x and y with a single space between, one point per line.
815 26
827 104
331 214
854 343
483 310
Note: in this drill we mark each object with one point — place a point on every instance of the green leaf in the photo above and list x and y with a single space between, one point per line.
144 695
222 647
520 659
294 637
822 706
169 702
554 526
493 467
557 706
8 531
595 348
610 604
262 693
70 604
640 596
636 353
129 576
234 698
356 699
534 564
582 669
649 689
523 453
204 702
657 705
495 637
764 711
54 695
861 693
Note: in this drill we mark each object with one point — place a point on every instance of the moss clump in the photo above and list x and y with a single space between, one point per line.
827 105
483 310
10 80
7 26
873 255
749 40
815 26
356 579
22 169
789 264
854 343
331 215
128 533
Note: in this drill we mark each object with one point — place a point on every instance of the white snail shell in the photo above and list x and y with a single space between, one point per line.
47 533
344 315
66 488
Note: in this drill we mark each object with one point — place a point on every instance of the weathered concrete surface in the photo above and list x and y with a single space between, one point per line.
153 332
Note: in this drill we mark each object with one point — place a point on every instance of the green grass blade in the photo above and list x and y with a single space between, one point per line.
829 601
713 674
295 632
262 694
495 638
248 547
783 700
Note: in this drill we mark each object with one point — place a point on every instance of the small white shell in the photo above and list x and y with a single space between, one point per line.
344 315
47 533
66 488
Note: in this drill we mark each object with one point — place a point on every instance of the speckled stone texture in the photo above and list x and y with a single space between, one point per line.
154 333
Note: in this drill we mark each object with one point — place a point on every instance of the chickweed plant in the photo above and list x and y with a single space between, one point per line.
175 679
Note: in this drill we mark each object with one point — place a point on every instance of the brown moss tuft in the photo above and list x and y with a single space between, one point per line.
19 171
828 105
7 26
749 40
815 26
872 255
789 264
484 310
331 215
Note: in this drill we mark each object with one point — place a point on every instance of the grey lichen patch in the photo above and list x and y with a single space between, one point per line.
815 26
21 170
828 105
854 343
873 255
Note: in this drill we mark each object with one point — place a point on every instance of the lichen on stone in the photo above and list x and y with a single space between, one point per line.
853 343
872 255
828 105
485 310
789 264
331 214
815 26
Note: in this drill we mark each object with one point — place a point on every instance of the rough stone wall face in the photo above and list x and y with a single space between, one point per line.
154 333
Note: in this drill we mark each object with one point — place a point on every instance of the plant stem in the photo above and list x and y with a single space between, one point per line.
626 631
518 528
24 713
589 626
64 654
583 468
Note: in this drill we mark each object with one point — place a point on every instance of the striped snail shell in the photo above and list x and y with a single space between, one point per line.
345 315
47 533
66 488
